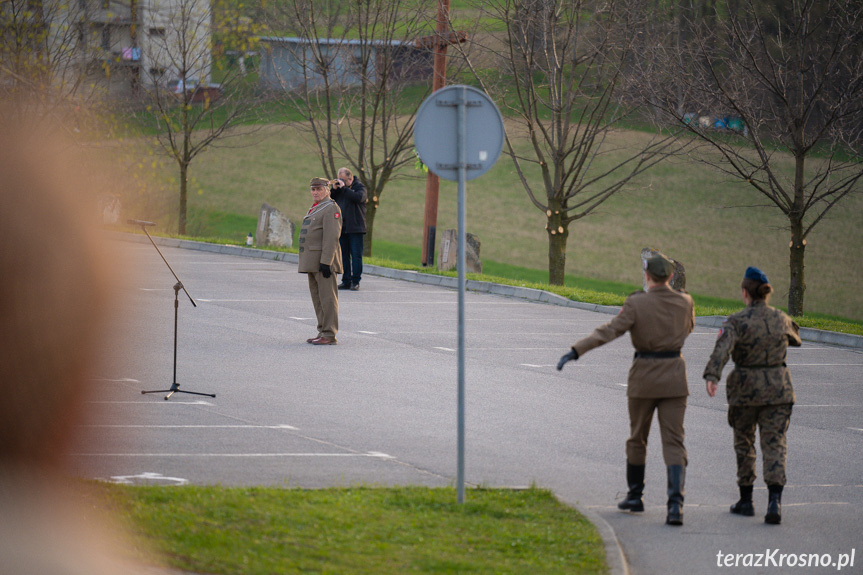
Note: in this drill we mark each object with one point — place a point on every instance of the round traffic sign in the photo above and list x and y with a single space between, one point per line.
437 125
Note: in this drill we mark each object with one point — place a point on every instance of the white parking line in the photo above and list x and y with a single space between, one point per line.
158 402
444 348
290 427
371 454
824 364
829 383
796 405
245 301
471 348
148 477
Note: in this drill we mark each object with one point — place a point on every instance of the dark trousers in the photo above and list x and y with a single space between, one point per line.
352 257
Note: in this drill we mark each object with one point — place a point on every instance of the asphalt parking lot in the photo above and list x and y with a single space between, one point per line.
380 407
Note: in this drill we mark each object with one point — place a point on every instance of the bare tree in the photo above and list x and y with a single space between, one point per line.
777 79
560 66
187 109
348 71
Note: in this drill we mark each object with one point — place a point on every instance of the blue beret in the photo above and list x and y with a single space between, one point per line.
753 273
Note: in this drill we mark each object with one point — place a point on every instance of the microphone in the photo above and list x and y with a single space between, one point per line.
140 223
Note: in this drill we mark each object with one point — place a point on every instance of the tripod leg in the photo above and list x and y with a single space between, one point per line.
175 387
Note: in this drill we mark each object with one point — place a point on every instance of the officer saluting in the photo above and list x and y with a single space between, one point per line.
659 320
321 259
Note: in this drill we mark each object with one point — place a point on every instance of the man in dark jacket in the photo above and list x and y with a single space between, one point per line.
350 194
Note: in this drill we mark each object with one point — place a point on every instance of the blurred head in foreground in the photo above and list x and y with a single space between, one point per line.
53 284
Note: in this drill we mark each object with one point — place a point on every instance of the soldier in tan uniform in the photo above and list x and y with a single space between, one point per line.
321 259
759 389
658 320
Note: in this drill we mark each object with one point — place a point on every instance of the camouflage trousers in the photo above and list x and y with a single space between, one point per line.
772 422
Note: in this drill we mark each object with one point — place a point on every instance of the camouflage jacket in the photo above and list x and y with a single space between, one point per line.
756 339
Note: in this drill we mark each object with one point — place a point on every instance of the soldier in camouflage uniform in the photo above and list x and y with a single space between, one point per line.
759 389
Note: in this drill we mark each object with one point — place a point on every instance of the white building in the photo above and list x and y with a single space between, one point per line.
79 46
145 42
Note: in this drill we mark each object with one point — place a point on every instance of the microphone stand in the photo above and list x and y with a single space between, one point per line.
175 387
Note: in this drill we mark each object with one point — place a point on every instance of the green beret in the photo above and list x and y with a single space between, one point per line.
659 265
319 182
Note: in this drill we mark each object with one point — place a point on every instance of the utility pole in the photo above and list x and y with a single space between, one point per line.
440 40
133 40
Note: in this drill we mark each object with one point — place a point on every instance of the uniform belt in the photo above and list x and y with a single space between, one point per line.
760 366
657 354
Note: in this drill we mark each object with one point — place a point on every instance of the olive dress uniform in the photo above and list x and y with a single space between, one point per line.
759 391
658 320
319 244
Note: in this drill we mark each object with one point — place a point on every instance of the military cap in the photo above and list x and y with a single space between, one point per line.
753 273
319 182
659 265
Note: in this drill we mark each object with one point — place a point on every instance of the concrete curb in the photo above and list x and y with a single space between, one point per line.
806 333
615 558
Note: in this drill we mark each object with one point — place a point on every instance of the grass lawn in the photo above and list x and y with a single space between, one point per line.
239 531
680 207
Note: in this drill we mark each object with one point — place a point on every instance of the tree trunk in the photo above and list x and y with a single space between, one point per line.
184 185
371 211
797 247
558 232
797 285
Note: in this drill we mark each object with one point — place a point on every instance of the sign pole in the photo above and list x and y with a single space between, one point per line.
461 128
479 137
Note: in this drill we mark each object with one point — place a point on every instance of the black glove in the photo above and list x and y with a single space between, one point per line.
325 270
571 356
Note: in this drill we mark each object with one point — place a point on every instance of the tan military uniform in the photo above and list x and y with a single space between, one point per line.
759 388
319 244
658 320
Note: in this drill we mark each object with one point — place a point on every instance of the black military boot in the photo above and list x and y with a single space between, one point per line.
774 505
676 478
635 481
744 506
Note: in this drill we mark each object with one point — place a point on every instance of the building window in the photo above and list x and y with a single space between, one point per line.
106 38
156 32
